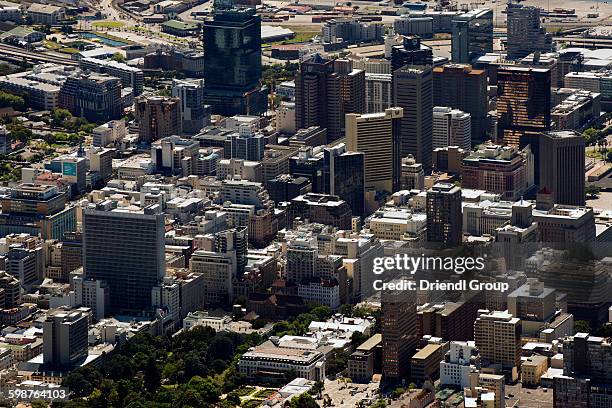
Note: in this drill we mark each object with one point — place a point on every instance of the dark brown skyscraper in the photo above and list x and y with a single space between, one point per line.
561 163
399 332
325 90
444 219
523 102
412 91
461 87
158 117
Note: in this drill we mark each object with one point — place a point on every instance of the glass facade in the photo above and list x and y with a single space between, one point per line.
523 104
126 250
472 35
232 50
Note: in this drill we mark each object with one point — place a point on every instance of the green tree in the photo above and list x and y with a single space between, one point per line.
590 135
582 326
60 116
358 338
346 309
19 132
78 384
152 376
397 392
205 387
322 312
303 401
318 388
592 191
604 331
119 57
14 101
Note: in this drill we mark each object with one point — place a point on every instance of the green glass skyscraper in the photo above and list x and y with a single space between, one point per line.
232 61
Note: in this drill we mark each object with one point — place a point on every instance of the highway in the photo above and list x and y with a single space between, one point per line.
34 56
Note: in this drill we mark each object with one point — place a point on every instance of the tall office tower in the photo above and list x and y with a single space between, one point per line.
525 35
344 176
561 165
412 91
158 117
25 264
174 154
93 294
36 210
459 362
302 256
376 135
221 260
498 338
326 90
64 339
523 102
504 170
12 291
399 333
246 144
71 257
195 114
411 174
100 162
286 187
232 61
125 248
472 35
233 240
459 86
451 127
309 163
444 220
95 97
587 373
410 52
379 92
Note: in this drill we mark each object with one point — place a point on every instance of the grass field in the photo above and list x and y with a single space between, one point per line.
108 24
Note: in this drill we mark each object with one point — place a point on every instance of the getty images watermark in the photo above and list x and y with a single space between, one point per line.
405 263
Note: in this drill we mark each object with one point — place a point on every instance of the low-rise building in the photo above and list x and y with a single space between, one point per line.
425 364
532 369
269 360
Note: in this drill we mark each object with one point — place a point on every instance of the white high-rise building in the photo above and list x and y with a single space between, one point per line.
461 360
379 92
451 127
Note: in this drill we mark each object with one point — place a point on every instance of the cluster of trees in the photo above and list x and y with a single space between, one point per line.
18 132
63 118
298 326
9 100
191 369
583 326
592 136
278 73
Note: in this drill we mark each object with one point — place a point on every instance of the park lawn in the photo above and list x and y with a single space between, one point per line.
252 403
244 391
265 393
52 45
109 24
68 50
